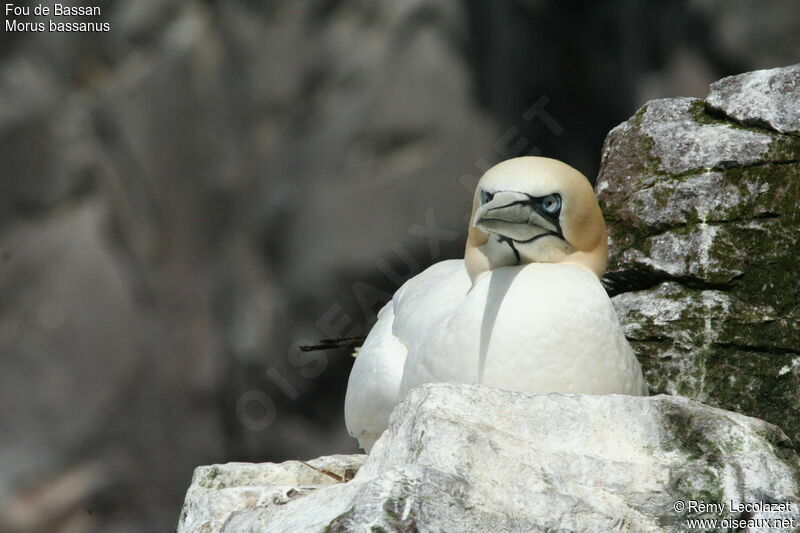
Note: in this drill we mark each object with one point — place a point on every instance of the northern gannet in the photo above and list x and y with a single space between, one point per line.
524 310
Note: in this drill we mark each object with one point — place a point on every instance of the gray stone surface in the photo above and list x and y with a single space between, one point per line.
473 458
217 491
768 98
704 227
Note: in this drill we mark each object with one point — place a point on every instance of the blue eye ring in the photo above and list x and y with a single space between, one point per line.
551 203
486 196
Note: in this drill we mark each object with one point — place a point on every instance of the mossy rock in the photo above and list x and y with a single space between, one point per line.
702 199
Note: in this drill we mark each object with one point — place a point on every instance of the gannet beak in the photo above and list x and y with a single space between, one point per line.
513 215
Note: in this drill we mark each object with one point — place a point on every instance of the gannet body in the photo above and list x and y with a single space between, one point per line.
523 311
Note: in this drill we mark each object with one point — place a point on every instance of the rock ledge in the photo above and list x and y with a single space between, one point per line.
473 458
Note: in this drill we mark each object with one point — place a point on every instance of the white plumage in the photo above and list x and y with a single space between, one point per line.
532 326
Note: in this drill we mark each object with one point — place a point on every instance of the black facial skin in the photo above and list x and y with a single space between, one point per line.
510 243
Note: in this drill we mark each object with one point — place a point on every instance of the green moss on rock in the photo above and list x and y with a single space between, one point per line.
723 232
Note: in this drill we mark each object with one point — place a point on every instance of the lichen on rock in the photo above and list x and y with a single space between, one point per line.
703 204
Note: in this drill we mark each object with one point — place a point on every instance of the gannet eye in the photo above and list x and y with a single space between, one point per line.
486 196
551 203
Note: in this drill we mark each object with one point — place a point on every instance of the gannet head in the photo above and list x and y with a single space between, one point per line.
535 210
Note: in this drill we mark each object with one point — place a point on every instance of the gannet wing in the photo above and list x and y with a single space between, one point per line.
419 305
374 381
426 300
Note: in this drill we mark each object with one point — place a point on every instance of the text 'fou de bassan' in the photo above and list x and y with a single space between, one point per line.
56 10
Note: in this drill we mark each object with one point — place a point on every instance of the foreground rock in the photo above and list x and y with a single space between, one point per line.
473 458
218 490
702 203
